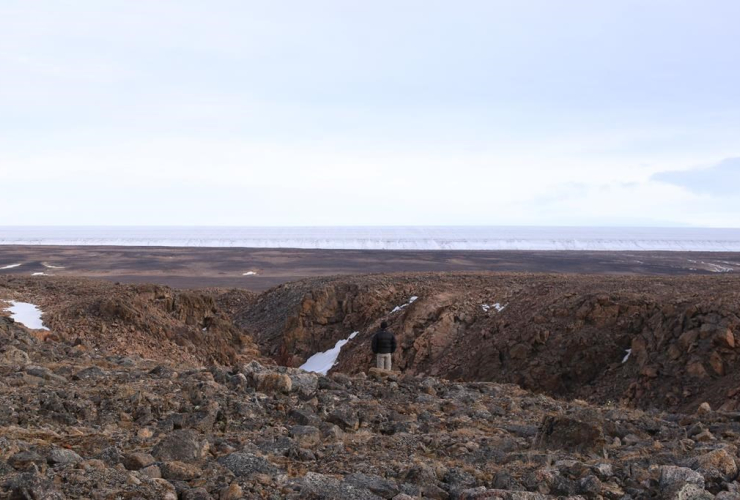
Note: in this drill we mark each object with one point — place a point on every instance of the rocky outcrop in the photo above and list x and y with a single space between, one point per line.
646 342
144 320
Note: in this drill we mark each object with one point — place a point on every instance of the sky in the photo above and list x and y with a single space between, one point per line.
402 112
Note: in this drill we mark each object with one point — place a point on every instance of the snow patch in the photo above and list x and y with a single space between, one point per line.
39 274
716 268
403 306
49 266
26 314
11 266
250 273
322 362
497 306
627 356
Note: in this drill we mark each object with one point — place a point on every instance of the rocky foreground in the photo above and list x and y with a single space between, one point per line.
80 422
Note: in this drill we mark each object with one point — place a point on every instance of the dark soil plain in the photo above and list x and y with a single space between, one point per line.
226 267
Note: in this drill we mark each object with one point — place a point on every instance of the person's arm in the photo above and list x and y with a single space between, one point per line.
393 343
375 344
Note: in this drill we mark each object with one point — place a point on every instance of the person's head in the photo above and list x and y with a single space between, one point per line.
383 325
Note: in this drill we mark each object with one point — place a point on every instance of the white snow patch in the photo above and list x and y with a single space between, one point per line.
716 268
49 266
26 314
250 273
11 266
402 306
627 356
321 362
497 306
39 274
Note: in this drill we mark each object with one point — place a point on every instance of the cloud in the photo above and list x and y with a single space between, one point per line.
721 179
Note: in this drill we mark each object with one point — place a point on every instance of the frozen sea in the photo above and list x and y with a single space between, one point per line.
386 238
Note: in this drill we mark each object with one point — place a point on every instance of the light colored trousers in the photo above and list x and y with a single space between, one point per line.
384 361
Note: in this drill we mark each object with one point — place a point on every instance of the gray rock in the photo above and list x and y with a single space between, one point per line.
673 478
484 494
319 486
183 445
346 418
247 464
376 484
305 435
61 456
25 459
304 383
136 461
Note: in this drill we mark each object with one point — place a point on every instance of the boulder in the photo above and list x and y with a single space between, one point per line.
306 435
179 471
345 417
14 357
183 445
62 456
273 383
559 432
137 461
247 465
376 484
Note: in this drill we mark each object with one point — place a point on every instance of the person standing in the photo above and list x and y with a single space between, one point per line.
384 345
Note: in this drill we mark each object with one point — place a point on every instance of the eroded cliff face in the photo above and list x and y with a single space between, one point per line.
566 336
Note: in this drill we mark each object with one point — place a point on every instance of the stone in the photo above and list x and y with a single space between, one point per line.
153 471
725 338
715 361
346 418
14 357
672 477
196 494
482 493
247 465
31 486
376 484
696 369
716 465
305 435
558 432
232 492
704 409
62 456
183 445
136 461
304 383
273 383
180 471
25 460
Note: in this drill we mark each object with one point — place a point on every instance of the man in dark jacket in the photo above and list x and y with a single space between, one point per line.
384 345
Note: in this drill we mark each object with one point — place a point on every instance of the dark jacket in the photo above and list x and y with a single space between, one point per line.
384 342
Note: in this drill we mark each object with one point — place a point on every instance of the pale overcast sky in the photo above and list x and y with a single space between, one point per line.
500 112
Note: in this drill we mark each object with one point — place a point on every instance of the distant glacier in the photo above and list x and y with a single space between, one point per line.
386 238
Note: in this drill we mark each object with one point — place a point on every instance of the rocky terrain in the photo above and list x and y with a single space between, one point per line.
512 386
80 423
